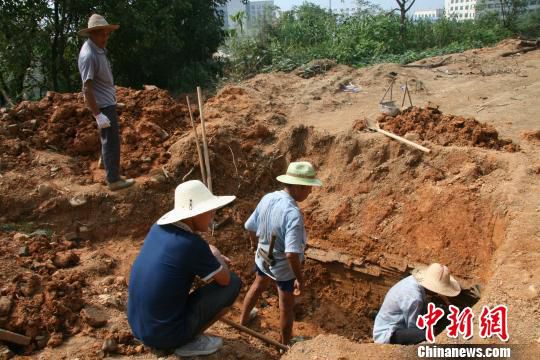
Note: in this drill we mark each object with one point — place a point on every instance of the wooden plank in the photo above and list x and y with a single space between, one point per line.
15 338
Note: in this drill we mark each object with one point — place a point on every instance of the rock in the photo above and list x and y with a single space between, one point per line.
5 305
20 237
5 352
109 346
41 341
55 340
94 316
532 291
23 251
44 189
78 200
40 232
71 236
120 280
65 259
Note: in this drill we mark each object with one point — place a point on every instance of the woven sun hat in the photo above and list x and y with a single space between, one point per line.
437 278
191 199
300 173
97 22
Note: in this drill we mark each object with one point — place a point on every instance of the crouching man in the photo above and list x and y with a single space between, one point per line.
405 301
162 312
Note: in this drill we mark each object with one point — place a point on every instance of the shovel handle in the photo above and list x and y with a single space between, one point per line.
403 140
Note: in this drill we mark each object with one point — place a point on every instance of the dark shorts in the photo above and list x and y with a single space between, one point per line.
287 286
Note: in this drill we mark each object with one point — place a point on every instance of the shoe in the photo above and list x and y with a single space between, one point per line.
121 184
202 345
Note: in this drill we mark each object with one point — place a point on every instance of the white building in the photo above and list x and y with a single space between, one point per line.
432 15
253 12
232 7
467 9
258 10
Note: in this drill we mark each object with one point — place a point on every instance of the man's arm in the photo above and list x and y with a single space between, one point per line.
296 266
223 277
90 98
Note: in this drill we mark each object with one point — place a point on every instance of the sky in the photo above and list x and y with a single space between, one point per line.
385 4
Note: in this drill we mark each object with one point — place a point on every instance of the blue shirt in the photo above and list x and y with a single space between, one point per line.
161 278
94 65
277 213
402 305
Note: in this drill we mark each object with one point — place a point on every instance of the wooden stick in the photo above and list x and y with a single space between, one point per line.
427 66
205 143
14 337
520 51
255 334
405 141
201 161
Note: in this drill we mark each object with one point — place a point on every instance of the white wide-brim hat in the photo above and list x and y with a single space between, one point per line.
437 278
191 199
300 173
97 22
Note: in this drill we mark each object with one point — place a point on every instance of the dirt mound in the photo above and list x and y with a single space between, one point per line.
432 125
62 122
41 300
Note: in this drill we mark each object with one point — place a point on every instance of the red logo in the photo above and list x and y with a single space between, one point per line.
460 322
494 322
429 320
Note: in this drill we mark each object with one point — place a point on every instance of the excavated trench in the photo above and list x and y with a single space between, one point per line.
383 209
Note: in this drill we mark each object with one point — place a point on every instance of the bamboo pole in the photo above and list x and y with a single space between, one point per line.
6 335
201 161
255 334
205 143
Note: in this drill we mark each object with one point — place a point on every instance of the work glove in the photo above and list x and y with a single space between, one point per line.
102 121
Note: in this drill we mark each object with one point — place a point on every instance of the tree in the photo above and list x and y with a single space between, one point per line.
404 7
238 18
508 10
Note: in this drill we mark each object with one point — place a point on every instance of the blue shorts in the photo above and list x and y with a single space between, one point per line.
287 286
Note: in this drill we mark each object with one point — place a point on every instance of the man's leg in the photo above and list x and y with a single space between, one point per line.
252 296
408 336
110 145
286 313
207 304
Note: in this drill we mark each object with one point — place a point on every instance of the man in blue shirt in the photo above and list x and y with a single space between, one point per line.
100 95
162 312
278 224
405 301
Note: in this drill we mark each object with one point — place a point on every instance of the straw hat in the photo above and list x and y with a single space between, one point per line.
300 173
97 22
193 198
437 278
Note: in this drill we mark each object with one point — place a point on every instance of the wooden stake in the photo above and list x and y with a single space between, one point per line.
255 334
205 143
14 337
201 161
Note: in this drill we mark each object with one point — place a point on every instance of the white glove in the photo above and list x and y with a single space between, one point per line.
102 121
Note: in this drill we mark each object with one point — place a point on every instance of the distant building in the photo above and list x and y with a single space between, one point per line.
253 10
432 15
469 9
230 8
259 10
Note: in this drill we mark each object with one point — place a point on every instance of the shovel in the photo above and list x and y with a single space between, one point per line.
373 125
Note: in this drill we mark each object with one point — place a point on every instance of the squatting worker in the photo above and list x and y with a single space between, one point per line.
162 312
100 95
405 301
278 217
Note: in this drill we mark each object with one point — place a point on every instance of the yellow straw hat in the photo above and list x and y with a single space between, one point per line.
97 22
437 278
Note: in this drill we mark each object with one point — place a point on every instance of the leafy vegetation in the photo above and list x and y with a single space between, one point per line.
309 32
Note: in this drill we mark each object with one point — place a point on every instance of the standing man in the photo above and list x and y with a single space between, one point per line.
162 312
100 95
279 224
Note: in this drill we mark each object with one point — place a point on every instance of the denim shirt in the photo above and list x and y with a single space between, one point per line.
278 214
402 305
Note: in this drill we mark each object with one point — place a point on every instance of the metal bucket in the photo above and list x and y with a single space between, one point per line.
389 108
